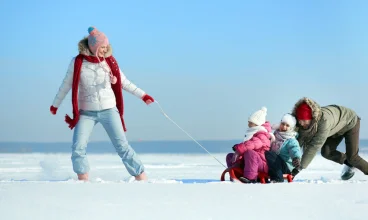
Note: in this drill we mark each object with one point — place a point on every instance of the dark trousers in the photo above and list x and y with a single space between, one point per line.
276 166
329 151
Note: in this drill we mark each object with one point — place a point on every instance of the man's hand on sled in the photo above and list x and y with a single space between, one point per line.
295 172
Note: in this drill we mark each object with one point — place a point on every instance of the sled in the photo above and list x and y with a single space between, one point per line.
236 172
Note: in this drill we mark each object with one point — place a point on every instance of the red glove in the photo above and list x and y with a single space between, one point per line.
53 110
147 99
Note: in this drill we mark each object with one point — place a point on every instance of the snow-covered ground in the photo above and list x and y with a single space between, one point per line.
43 186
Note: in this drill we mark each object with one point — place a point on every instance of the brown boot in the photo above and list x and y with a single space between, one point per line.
141 177
83 177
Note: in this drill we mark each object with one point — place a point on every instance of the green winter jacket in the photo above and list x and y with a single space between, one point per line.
332 120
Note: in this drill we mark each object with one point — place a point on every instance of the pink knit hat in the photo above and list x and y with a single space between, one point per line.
96 39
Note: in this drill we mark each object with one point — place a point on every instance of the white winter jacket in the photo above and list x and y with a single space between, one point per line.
94 89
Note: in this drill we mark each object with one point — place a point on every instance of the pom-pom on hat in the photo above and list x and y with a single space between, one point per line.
259 117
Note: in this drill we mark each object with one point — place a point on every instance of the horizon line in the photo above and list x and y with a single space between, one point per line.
48 142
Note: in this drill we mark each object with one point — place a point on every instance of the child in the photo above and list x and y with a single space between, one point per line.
285 151
250 154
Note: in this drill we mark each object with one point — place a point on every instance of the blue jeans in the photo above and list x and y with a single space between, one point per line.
110 120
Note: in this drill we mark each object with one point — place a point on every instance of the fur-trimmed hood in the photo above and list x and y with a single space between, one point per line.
84 49
305 135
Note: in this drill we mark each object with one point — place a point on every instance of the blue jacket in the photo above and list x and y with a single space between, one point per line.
289 150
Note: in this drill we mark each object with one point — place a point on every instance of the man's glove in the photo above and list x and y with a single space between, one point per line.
295 172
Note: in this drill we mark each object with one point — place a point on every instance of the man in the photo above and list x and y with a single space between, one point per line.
324 128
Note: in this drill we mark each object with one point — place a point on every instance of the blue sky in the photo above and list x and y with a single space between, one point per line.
209 63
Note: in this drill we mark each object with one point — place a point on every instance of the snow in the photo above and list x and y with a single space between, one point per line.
43 186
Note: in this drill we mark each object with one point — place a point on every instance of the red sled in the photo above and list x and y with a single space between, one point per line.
236 172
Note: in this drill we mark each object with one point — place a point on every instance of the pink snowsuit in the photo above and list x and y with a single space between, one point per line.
252 154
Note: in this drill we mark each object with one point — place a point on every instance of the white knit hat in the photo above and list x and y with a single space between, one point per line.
290 120
259 117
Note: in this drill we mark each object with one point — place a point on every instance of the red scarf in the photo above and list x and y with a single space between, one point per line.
117 87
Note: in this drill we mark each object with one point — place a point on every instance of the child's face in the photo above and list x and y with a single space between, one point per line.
304 123
102 50
251 124
284 126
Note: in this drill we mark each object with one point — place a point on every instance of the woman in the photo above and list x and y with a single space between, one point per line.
97 82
